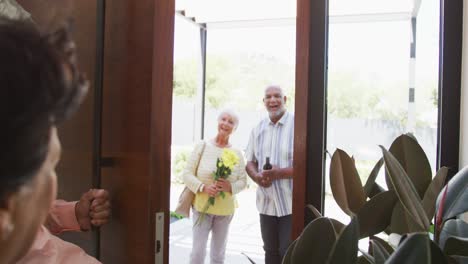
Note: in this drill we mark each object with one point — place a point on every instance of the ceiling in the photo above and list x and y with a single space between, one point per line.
229 13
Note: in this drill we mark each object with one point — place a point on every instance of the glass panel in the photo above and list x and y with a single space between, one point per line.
244 55
378 87
239 71
185 123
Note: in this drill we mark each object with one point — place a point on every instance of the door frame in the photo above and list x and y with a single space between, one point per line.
311 93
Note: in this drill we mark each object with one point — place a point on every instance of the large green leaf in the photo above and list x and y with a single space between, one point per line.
411 136
337 226
287 257
459 260
346 247
456 246
384 244
314 210
413 160
414 249
307 249
345 183
402 222
366 255
370 183
363 260
405 190
457 195
429 200
375 189
376 214
380 253
452 228
437 256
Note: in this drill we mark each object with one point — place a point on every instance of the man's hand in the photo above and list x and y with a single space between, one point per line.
273 174
93 209
262 180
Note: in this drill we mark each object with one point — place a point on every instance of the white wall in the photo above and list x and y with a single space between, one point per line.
464 93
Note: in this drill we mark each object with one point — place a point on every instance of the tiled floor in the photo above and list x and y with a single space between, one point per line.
244 235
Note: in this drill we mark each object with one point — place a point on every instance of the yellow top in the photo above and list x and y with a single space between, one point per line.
221 207
193 178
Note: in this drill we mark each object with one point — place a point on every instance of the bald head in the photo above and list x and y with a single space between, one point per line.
274 87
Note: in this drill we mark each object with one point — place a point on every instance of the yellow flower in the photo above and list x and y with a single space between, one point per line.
229 158
224 165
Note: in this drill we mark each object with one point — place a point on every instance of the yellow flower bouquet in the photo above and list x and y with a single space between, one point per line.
224 167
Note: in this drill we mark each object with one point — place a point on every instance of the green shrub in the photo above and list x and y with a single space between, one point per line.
179 161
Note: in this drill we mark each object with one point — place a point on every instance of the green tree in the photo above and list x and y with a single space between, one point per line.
240 79
237 79
185 78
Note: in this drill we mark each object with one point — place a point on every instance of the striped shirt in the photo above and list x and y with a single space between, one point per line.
275 141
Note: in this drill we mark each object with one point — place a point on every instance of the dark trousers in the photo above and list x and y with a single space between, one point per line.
276 235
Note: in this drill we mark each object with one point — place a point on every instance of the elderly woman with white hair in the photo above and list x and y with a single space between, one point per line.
198 176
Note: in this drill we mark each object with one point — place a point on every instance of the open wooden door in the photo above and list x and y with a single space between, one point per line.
137 128
120 138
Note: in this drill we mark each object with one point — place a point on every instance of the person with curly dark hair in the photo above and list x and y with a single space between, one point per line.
40 87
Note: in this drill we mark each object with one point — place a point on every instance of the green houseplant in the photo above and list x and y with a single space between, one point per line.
406 208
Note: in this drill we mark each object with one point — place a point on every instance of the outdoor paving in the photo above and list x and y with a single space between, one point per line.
244 235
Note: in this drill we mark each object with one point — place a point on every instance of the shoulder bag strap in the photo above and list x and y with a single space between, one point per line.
199 158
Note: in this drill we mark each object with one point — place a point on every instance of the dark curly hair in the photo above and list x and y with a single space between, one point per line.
40 86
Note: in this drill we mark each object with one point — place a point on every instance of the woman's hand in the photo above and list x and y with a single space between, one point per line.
211 190
224 185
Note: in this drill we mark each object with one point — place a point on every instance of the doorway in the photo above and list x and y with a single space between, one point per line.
241 54
137 86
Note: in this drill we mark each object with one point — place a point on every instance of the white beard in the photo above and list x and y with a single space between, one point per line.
277 113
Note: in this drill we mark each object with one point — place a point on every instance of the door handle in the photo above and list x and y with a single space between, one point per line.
159 238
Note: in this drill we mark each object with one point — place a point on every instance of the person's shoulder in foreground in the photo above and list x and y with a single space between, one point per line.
40 87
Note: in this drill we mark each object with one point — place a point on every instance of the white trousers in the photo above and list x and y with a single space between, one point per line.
219 227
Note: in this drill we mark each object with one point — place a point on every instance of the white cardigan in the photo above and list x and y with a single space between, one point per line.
207 166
